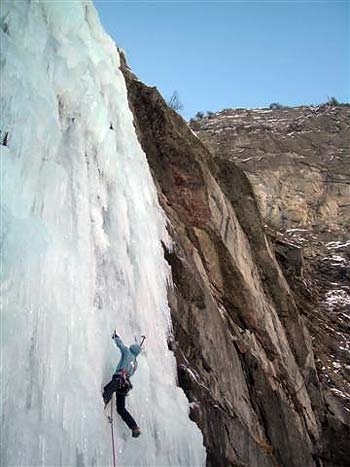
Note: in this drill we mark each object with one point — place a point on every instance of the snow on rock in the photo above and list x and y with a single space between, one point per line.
337 245
81 234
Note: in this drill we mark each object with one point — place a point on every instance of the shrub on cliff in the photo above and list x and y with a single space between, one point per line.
333 101
199 115
174 102
276 105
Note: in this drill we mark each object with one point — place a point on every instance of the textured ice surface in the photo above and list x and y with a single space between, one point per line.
81 233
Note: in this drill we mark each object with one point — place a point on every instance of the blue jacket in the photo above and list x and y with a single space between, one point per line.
127 360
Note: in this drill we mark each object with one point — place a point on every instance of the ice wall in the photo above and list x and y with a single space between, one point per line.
81 233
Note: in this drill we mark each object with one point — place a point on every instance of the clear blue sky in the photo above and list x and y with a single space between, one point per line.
222 54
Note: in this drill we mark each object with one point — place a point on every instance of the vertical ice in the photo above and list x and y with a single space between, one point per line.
81 233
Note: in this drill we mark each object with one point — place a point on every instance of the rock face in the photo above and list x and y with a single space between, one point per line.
297 159
244 354
322 288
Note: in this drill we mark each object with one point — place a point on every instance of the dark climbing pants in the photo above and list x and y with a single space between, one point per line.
108 391
125 415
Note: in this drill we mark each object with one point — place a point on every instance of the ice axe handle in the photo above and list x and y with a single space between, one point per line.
142 340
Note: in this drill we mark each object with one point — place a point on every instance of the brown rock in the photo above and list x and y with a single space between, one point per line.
244 355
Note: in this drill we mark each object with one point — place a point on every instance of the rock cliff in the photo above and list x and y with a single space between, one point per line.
297 159
245 356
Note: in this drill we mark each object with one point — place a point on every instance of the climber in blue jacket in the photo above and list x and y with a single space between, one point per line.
120 383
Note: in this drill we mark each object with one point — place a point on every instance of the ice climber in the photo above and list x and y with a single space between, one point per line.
120 382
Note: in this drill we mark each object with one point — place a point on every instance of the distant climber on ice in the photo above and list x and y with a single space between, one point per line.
120 383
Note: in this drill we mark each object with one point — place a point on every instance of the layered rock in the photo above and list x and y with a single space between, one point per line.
244 354
322 290
297 159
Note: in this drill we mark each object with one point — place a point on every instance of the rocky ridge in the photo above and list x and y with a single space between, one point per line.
297 159
244 353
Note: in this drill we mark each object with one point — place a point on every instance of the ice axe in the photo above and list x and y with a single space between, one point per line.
142 340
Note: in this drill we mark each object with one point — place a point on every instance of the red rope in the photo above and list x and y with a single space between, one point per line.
111 422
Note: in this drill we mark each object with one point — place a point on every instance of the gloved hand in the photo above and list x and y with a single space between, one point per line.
114 335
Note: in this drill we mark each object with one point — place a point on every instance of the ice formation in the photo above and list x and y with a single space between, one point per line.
81 233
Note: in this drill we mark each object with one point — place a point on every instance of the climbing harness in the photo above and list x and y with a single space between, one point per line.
110 419
122 383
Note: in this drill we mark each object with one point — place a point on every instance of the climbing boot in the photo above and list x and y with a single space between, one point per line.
136 432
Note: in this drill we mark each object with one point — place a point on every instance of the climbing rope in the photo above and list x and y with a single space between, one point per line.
110 419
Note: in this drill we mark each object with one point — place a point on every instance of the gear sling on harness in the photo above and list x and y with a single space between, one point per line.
120 383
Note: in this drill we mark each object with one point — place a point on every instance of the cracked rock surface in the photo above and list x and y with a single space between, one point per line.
298 162
244 352
297 159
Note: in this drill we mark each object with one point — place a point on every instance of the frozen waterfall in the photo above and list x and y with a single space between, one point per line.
81 233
